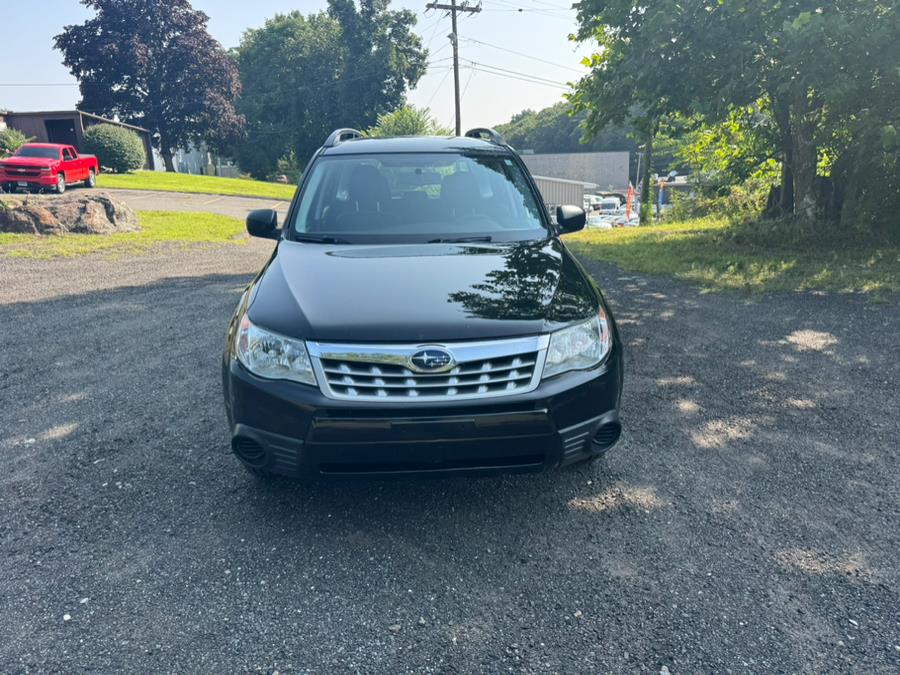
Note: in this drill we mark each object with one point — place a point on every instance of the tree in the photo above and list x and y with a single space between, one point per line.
11 140
304 76
408 121
153 63
815 69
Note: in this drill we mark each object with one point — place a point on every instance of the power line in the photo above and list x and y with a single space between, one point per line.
520 78
516 72
440 84
510 7
523 55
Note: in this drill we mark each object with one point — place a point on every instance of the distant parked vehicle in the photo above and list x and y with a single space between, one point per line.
610 206
598 221
39 166
591 203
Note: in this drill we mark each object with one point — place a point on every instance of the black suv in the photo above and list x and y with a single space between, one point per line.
420 315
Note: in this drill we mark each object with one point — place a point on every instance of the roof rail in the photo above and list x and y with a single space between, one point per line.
486 135
340 135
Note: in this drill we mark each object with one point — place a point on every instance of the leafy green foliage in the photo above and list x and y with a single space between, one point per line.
11 140
304 76
408 121
825 74
153 63
118 149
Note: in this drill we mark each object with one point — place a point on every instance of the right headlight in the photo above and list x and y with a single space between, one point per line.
578 347
272 356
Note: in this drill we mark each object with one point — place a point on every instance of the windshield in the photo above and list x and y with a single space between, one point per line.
418 198
43 153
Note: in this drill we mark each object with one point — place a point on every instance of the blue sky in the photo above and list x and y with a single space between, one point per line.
539 31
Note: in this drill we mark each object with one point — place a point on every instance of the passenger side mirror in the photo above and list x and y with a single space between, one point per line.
263 223
570 219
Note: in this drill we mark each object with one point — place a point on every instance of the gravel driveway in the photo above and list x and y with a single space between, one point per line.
748 522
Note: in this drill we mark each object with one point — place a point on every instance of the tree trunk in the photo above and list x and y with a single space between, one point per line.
166 153
782 112
804 156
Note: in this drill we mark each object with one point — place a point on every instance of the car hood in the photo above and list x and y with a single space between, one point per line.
30 162
421 292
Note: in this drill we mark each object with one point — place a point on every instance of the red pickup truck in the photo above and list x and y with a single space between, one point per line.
37 166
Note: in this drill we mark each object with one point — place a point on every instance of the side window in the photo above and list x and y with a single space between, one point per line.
67 155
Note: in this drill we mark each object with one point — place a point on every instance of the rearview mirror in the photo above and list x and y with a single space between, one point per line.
263 223
570 219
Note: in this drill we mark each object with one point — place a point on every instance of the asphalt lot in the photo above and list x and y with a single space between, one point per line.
749 521
236 207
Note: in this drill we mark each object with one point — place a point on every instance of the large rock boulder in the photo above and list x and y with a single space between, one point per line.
94 213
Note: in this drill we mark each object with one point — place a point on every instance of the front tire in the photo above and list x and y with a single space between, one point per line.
60 184
91 179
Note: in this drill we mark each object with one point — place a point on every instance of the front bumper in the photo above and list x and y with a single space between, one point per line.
292 429
43 181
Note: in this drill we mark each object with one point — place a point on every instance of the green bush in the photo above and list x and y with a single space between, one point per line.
118 149
11 140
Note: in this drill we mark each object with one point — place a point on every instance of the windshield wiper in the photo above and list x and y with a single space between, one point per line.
459 240
319 239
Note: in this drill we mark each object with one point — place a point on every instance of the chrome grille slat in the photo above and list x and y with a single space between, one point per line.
408 373
482 369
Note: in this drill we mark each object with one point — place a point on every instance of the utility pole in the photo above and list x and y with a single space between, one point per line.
454 9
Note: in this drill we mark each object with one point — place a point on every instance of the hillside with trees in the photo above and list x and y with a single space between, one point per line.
555 129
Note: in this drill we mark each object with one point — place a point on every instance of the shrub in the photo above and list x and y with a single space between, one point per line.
118 149
11 140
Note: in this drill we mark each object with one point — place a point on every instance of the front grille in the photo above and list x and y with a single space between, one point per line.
484 369
13 172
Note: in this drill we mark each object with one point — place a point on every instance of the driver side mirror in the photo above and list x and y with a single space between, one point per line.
570 219
263 223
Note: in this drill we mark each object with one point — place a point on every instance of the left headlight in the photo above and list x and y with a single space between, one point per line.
272 356
578 347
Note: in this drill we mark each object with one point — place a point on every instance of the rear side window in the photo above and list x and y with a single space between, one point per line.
419 196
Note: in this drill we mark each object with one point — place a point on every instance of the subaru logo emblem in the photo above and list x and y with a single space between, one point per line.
431 360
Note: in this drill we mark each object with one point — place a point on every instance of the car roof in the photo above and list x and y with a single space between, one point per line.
46 145
413 144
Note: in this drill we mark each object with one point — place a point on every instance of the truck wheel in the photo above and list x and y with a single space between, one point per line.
60 183
91 179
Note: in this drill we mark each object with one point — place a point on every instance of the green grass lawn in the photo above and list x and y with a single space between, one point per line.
156 227
182 182
719 256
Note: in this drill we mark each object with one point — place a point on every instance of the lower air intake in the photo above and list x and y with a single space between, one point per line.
249 450
607 435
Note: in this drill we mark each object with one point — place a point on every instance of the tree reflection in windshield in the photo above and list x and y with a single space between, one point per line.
536 282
